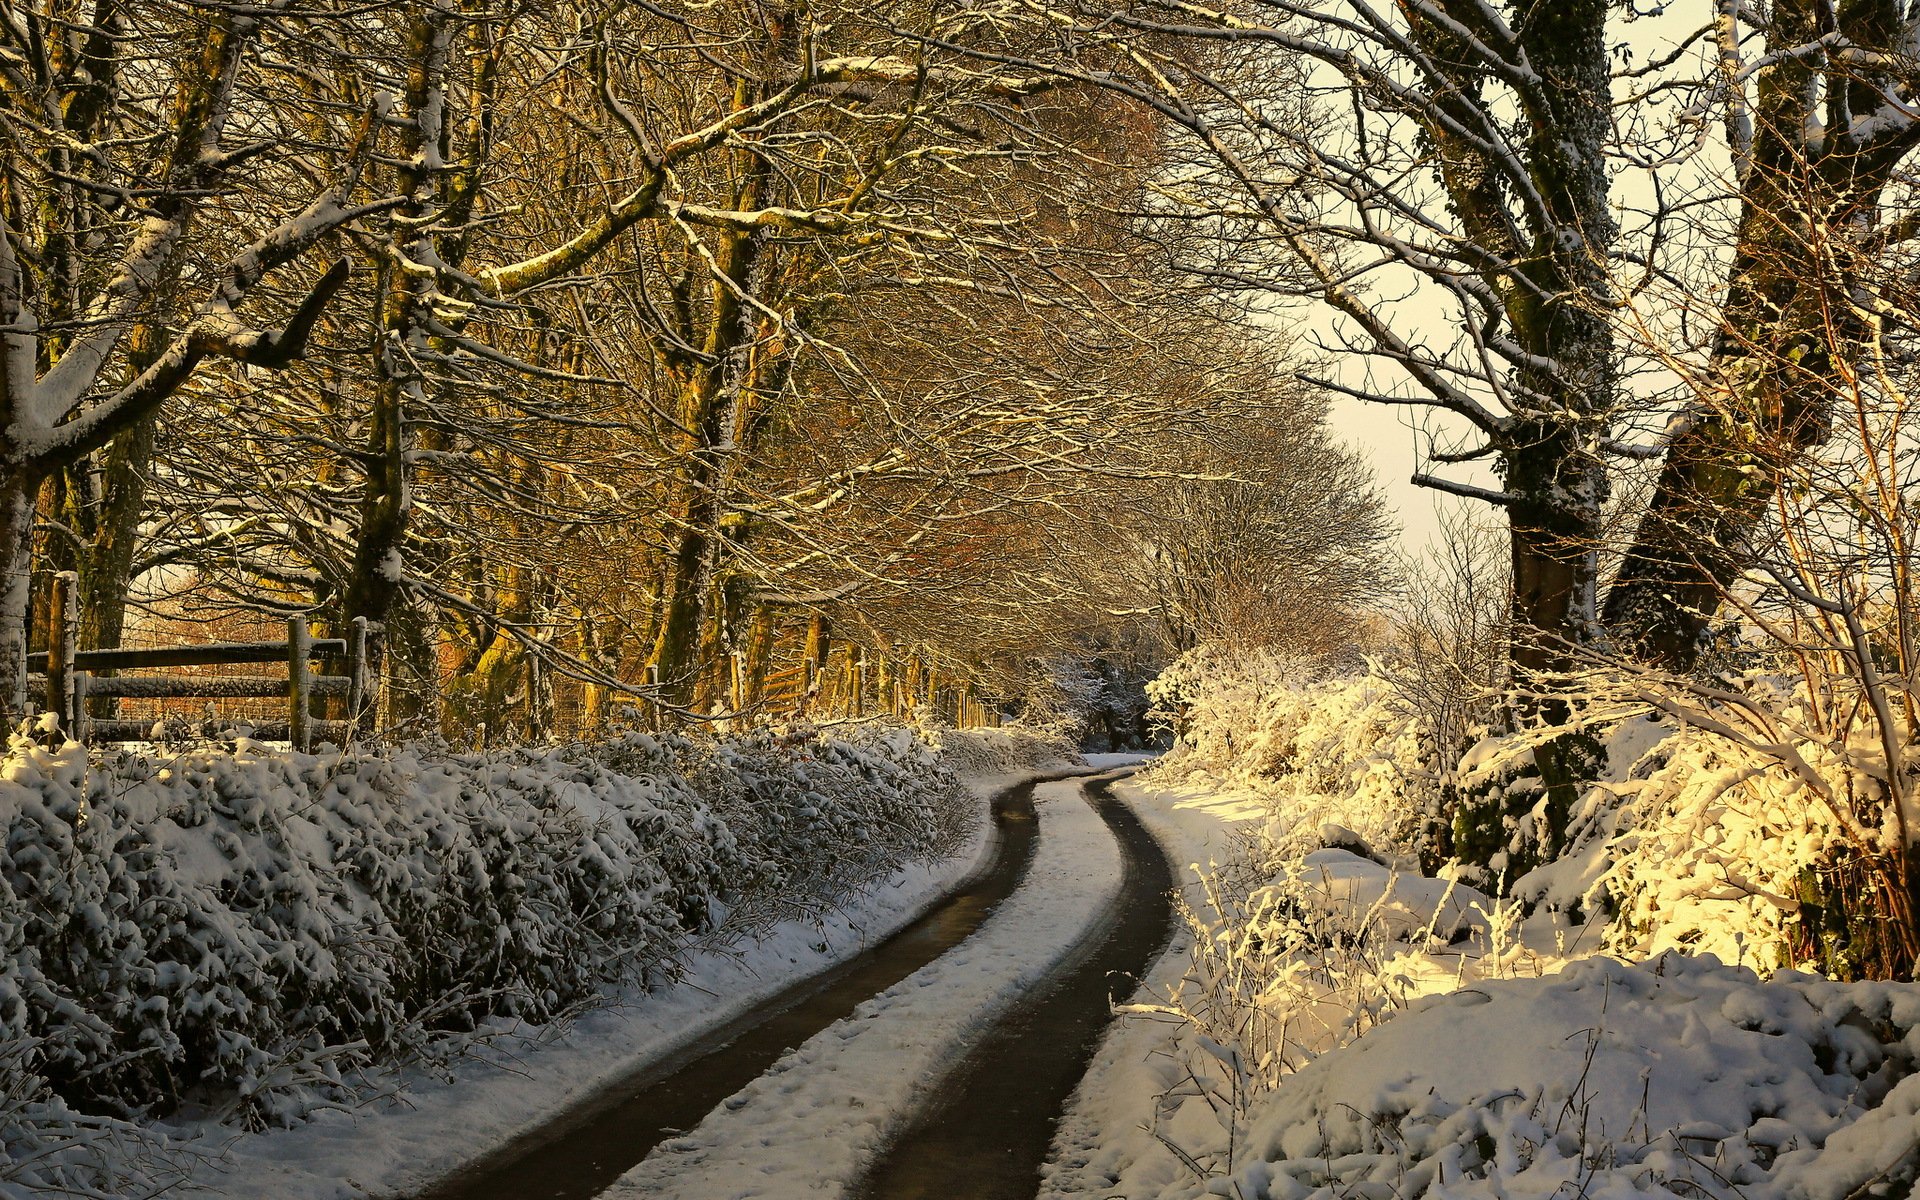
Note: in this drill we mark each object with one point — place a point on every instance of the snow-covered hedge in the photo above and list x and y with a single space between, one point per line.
240 929
1010 750
1699 833
1338 751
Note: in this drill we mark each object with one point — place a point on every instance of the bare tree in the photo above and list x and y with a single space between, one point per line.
1817 106
1262 533
1350 152
135 140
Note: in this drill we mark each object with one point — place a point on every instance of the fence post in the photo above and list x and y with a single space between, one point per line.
359 712
63 641
299 684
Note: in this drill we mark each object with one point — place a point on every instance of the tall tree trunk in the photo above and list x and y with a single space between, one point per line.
1554 288
1549 269
814 661
676 650
378 571
715 407
763 630
107 575
1810 205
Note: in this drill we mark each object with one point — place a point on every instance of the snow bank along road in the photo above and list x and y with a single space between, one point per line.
1064 911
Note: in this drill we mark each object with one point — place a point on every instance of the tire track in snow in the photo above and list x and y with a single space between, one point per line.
813 1123
987 1134
587 1148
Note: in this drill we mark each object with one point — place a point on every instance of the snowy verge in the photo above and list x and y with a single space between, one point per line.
1104 1145
1270 968
1397 1037
1678 1077
811 1123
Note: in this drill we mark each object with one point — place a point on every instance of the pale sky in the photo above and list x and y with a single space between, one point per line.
1382 436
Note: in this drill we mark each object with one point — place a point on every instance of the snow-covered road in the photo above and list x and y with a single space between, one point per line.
809 1126
994 1119
437 1120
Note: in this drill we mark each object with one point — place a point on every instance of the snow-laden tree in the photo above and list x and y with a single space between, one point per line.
160 167
1264 532
1817 108
1393 159
682 327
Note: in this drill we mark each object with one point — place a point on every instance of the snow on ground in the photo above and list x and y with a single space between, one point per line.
1505 1061
811 1123
1119 758
1675 1077
443 1121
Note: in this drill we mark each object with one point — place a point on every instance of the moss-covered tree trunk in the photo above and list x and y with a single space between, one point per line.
1812 176
1546 245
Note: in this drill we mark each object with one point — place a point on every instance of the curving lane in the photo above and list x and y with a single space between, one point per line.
986 1130
587 1148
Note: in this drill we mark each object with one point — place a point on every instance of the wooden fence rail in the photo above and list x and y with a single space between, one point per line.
207 654
68 676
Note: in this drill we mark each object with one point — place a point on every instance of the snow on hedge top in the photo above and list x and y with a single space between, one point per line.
1677 1077
245 928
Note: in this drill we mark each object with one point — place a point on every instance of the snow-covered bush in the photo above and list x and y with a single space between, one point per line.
1532 1089
47 1149
1292 961
1741 819
1008 750
1734 820
242 928
1336 751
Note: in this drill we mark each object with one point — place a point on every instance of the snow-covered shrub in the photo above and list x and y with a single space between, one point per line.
1531 1089
47 1149
1727 820
1008 750
243 928
1292 961
1322 751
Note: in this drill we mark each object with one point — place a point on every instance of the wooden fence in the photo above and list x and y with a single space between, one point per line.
70 678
